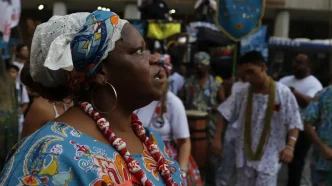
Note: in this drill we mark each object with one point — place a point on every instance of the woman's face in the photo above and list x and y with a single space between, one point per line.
134 72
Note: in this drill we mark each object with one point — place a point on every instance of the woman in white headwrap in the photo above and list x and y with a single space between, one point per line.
99 61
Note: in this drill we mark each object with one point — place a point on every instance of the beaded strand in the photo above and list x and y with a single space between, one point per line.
120 146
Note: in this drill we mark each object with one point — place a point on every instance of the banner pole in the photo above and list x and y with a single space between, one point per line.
235 59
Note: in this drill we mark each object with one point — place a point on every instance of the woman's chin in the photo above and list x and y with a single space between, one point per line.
157 95
148 97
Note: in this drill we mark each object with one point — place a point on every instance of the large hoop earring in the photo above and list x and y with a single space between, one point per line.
115 94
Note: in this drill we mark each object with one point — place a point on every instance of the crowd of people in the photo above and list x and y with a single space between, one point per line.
100 109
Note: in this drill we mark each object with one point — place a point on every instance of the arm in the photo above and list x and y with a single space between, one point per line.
218 136
293 133
23 109
312 115
293 122
229 112
184 146
314 137
221 93
302 99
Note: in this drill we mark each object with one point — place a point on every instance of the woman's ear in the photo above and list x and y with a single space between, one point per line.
101 77
263 67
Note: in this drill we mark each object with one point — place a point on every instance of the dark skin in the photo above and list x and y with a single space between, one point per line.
131 70
256 75
301 69
324 149
40 112
23 55
202 75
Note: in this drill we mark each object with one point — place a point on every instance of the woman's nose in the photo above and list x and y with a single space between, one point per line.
153 59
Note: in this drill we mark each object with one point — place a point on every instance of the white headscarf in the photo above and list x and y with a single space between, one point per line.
49 49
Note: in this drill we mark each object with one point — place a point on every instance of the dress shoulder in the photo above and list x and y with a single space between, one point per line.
52 156
58 154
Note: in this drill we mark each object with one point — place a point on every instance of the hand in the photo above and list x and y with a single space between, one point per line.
216 147
327 153
20 112
286 155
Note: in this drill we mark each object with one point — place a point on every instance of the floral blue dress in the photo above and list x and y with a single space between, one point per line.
58 154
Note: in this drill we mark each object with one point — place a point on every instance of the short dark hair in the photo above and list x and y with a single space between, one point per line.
308 59
11 66
20 46
253 57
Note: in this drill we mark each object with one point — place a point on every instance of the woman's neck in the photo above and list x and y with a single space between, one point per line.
263 87
120 120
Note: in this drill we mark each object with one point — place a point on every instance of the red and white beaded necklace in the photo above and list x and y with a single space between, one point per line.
120 146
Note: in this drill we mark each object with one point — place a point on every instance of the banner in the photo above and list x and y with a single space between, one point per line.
238 19
275 3
257 42
140 26
10 11
16 13
162 31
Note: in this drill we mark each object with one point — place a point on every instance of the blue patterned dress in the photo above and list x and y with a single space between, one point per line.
58 154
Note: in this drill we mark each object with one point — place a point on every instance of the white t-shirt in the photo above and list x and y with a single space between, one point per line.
175 124
238 86
20 66
22 94
308 86
23 98
176 82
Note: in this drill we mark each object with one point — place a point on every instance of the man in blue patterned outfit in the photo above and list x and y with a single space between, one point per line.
318 125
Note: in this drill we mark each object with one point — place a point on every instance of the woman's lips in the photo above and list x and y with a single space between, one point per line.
160 76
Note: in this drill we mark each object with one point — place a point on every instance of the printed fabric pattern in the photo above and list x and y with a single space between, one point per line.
93 42
58 154
285 117
319 114
201 98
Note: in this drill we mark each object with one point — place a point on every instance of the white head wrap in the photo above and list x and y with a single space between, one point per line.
52 52
51 47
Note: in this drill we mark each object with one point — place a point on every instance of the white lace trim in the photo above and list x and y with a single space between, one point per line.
114 37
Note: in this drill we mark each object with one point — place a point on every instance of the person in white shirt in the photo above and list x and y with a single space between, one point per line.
176 82
226 170
168 118
22 52
22 95
304 87
266 113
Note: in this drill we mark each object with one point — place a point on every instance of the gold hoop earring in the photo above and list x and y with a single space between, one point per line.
115 94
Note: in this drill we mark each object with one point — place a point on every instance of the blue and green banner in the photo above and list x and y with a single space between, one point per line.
239 18
256 41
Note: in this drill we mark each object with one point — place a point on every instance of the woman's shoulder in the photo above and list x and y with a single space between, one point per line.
172 97
54 154
40 107
173 101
